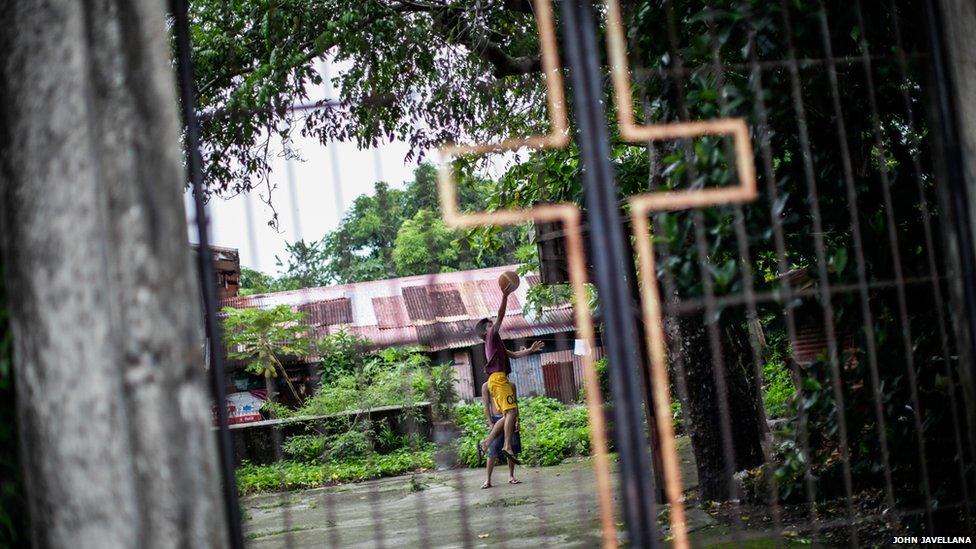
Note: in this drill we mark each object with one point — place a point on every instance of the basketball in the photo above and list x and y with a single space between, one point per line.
508 281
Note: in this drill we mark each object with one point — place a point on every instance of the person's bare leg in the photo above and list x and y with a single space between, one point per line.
510 418
511 473
489 467
496 430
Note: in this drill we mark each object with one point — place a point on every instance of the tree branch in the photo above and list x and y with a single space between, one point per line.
488 51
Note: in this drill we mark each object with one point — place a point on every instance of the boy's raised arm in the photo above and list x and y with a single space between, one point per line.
534 348
497 325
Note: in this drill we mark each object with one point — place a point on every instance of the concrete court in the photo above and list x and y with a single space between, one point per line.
553 507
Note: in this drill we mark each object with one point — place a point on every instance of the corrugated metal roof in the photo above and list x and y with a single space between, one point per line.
447 335
435 311
328 313
378 338
472 299
552 321
391 312
447 304
417 301
491 294
811 344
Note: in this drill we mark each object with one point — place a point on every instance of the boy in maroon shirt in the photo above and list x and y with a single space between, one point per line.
498 369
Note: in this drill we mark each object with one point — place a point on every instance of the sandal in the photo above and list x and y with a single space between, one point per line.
486 485
514 481
511 457
481 453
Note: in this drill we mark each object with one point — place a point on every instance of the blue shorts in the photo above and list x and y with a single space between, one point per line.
495 449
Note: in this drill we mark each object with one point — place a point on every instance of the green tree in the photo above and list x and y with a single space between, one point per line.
426 72
361 248
382 235
263 337
256 282
341 354
305 266
425 245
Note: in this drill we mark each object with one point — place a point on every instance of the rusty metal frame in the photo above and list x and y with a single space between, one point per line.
570 216
630 131
642 206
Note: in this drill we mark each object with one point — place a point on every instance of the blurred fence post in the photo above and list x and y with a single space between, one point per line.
951 24
112 401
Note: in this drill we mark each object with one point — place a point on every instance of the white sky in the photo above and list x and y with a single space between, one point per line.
326 181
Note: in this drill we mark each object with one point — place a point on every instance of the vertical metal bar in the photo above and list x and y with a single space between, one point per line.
955 172
610 271
783 267
340 204
749 294
711 312
893 242
823 279
937 297
284 497
867 317
208 275
296 221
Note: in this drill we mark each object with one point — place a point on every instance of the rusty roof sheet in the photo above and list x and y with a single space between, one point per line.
447 305
327 313
447 335
436 311
417 301
552 321
811 344
474 304
391 312
492 296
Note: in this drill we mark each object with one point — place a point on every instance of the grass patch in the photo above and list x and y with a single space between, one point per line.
778 388
293 475
268 533
507 502
550 430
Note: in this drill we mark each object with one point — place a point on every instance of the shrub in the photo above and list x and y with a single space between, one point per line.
550 431
390 377
340 354
677 417
350 445
778 388
395 376
292 475
604 379
305 447
441 391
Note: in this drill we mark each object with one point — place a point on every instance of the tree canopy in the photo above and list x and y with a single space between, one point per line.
391 233
261 338
428 71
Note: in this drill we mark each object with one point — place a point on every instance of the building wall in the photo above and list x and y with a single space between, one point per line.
464 384
556 372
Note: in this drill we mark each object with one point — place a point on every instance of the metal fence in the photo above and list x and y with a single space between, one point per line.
798 210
